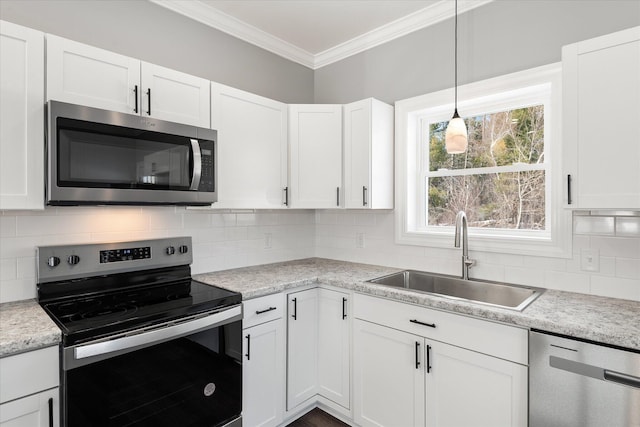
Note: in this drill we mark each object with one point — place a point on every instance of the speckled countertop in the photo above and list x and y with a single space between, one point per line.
24 326
606 320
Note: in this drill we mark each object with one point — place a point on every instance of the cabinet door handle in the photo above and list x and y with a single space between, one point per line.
50 412
431 325
149 99
248 337
428 359
364 196
295 308
344 308
265 310
135 94
337 196
286 196
417 355
568 189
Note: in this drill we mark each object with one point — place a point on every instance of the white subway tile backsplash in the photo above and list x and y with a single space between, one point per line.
594 225
628 268
7 226
623 247
615 287
524 276
571 282
628 226
8 269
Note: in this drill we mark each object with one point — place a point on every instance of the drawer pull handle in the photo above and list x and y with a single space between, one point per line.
431 325
265 311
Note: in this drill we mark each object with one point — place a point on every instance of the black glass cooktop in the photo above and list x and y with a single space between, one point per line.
96 307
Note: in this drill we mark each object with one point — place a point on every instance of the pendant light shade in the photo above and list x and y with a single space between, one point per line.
455 140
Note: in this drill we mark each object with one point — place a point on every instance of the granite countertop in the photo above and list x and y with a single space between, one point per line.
605 320
24 326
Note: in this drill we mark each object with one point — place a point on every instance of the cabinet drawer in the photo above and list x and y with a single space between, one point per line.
503 341
27 373
263 309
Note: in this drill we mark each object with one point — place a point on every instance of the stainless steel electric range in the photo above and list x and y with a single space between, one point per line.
142 343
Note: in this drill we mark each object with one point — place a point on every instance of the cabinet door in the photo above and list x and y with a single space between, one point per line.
315 137
302 347
334 346
389 377
465 388
252 137
37 410
368 155
601 85
86 75
263 374
21 117
174 96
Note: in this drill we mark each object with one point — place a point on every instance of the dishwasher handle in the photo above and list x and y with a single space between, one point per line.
624 379
596 372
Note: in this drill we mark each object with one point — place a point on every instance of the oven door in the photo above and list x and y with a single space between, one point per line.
103 157
184 373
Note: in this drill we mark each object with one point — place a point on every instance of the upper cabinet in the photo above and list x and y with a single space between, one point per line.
86 75
601 107
252 143
21 117
315 144
368 155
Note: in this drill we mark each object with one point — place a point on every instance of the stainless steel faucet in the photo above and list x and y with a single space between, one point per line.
461 228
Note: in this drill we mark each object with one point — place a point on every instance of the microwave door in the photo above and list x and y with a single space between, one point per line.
197 165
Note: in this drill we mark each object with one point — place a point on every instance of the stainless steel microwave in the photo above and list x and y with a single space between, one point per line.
99 157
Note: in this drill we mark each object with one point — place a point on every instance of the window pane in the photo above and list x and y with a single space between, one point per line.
496 139
514 200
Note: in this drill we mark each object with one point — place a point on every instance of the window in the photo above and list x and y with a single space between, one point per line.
508 180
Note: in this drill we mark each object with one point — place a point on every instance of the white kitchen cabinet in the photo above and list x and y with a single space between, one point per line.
601 106
492 391
29 393
368 155
315 156
86 75
334 346
388 384
21 117
252 138
263 368
302 346
425 379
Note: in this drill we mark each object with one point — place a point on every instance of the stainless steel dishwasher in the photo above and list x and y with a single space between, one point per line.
574 383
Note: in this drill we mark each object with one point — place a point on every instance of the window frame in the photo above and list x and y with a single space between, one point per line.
485 96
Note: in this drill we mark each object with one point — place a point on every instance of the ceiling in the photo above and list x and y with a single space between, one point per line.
316 33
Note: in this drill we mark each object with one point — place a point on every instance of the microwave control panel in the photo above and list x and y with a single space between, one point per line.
207 154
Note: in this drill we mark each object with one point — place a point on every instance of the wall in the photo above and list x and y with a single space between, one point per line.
143 30
499 38
220 240
614 240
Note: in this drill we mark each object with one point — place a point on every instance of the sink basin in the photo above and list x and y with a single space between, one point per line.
502 295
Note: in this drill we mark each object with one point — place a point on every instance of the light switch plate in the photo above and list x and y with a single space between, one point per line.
590 260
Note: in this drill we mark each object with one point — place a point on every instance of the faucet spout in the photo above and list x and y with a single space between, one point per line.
461 234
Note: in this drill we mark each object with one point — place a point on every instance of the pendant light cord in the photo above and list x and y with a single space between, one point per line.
456 60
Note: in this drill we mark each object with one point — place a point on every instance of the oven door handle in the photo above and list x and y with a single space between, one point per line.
157 334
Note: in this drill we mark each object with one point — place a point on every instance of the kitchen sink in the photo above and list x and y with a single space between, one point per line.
501 295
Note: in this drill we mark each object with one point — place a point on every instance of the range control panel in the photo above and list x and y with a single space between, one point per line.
77 261
129 254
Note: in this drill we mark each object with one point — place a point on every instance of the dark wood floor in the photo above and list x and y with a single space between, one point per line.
317 418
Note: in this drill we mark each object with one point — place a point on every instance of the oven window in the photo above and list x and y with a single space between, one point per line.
189 382
103 156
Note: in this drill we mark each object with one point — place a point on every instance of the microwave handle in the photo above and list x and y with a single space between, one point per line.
197 165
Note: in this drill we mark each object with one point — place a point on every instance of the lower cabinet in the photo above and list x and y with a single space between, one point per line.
37 410
415 366
263 369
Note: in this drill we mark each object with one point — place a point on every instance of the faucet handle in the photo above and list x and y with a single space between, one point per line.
469 262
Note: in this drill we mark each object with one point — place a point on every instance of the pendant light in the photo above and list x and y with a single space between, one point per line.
456 135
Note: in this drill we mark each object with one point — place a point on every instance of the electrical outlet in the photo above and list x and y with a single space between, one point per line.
590 260
359 240
267 240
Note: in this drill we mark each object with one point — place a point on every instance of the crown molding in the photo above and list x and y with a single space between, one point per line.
214 18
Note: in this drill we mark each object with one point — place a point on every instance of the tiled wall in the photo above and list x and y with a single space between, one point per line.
227 240
220 240
613 242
